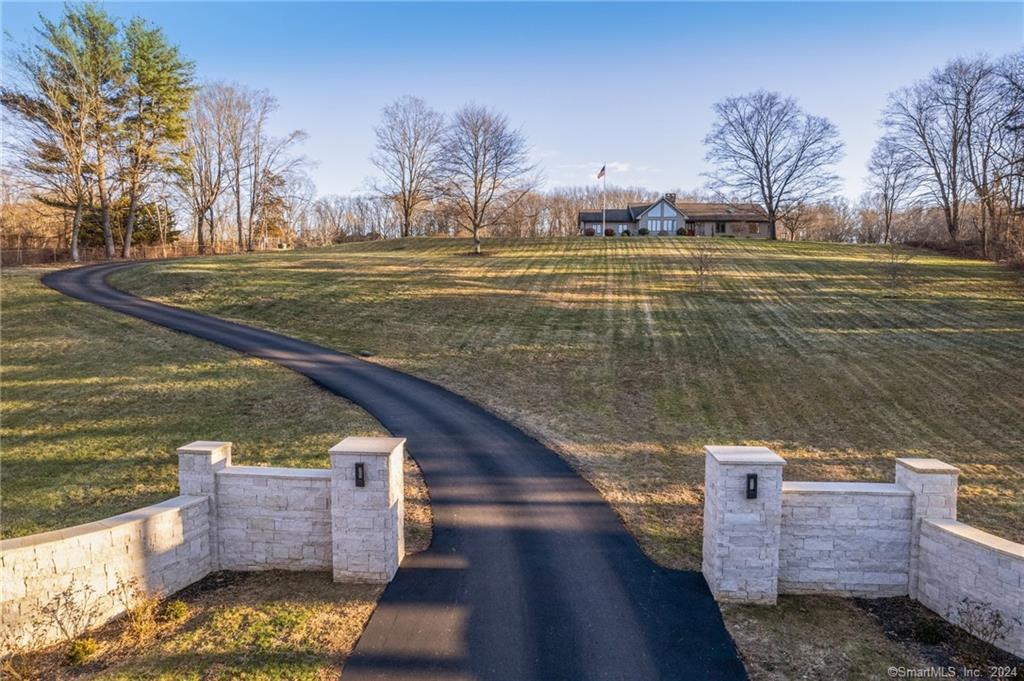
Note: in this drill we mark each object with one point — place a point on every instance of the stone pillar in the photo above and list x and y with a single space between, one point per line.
741 535
368 522
934 485
198 463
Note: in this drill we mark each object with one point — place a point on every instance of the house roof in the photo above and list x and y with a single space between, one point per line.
611 215
693 210
722 212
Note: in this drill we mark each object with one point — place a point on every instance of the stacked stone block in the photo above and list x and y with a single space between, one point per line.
849 539
934 486
957 561
367 522
227 517
160 548
274 518
741 535
198 465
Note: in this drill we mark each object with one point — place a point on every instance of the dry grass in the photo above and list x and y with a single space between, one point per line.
257 626
814 638
603 348
95 404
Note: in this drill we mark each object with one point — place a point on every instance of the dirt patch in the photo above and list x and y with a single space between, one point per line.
909 623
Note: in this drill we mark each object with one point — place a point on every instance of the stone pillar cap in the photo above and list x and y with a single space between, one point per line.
368 446
731 454
202 447
928 466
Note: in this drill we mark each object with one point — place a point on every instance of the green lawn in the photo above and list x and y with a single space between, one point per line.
604 349
600 347
94 405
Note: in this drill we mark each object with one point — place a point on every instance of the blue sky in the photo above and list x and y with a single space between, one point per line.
627 84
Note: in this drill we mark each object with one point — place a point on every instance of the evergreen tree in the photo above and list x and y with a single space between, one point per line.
158 93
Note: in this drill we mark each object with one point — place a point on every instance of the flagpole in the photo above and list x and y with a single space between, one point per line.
603 176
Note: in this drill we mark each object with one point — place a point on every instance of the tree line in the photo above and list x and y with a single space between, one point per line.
115 143
949 166
111 132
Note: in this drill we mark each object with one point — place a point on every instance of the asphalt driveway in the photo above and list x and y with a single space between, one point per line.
530 575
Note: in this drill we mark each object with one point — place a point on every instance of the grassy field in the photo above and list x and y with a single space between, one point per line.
604 349
94 405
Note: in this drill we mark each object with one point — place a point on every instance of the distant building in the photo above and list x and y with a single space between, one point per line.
668 217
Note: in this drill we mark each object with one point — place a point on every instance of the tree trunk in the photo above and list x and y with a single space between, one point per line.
101 183
238 209
772 234
201 243
76 226
129 225
476 240
213 232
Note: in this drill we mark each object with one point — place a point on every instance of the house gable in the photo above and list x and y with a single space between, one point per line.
658 209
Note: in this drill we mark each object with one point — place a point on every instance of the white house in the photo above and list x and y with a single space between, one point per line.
668 217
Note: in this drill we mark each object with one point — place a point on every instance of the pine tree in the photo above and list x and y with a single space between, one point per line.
158 92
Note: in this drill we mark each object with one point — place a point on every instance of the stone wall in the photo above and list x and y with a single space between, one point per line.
957 561
274 518
854 539
163 548
844 538
741 535
227 517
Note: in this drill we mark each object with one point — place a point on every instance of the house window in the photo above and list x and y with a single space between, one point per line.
670 225
719 228
755 228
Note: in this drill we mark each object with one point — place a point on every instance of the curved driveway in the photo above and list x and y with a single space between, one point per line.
530 574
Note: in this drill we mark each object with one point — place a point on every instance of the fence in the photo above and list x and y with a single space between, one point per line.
10 257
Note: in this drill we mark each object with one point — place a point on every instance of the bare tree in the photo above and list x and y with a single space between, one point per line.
765 148
988 137
204 175
892 178
53 104
794 218
702 261
929 123
408 146
485 168
895 267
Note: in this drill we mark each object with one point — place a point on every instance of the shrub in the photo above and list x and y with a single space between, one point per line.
626 232
174 611
589 231
71 612
984 623
643 231
928 631
608 231
681 231
81 650
140 611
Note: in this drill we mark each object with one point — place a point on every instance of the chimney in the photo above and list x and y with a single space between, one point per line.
671 198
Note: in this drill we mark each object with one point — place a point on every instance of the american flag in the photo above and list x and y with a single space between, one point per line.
600 174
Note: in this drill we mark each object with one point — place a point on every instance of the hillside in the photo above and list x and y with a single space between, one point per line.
605 349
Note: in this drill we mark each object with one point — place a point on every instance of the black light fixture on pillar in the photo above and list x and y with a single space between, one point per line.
751 485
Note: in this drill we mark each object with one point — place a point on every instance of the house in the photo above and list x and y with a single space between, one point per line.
668 217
